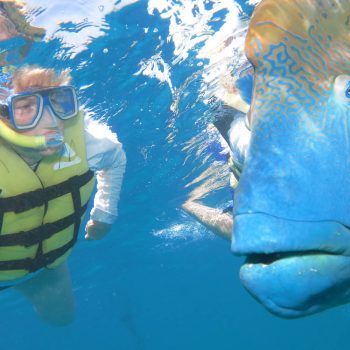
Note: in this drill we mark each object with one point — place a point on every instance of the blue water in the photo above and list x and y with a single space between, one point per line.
159 280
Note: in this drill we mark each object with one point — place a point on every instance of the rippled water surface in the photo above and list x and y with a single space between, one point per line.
157 71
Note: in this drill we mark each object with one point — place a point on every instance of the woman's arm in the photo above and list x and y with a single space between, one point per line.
106 157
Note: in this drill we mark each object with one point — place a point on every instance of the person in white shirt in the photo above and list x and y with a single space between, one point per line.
234 137
233 129
50 155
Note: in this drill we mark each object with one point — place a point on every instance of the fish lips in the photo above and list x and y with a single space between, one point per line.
294 268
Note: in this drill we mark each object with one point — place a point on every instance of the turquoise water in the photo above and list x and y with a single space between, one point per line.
159 280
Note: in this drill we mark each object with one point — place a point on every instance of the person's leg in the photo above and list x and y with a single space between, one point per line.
214 219
51 294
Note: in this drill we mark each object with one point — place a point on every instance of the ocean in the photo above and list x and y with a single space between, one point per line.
154 71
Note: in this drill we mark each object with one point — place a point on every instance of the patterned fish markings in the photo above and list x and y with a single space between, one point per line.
292 204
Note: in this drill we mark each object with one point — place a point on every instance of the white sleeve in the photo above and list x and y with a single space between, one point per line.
239 137
106 157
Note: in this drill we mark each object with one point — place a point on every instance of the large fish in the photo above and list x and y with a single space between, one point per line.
292 204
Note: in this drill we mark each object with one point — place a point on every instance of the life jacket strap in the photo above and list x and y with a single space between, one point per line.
38 235
35 236
36 198
40 261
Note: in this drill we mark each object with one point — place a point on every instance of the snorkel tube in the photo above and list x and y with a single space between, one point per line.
26 141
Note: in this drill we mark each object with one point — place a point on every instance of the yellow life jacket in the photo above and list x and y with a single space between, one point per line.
41 210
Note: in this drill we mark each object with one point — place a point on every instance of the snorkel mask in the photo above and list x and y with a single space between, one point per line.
25 110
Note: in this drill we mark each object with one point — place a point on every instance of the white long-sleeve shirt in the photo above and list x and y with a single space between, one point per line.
239 139
106 157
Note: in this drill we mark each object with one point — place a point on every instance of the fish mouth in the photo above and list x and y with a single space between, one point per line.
293 268
270 259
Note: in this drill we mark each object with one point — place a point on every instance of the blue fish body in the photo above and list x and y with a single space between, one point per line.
292 204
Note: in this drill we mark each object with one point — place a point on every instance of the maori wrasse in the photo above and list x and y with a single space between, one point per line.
292 204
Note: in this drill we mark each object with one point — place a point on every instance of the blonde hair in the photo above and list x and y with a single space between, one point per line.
30 77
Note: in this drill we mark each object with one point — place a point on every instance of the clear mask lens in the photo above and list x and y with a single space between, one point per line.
63 102
25 110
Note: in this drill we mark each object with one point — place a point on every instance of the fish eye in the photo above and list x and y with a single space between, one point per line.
342 87
347 92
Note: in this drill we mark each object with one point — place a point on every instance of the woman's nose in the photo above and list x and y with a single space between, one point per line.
49 119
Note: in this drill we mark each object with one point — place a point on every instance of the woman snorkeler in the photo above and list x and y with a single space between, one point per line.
49 154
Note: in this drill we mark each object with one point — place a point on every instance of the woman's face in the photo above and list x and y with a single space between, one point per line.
48 126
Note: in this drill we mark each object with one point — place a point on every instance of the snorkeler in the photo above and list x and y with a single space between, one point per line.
49 154
234 132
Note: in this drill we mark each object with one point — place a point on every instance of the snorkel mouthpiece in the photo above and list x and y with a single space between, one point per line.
54 140
26 141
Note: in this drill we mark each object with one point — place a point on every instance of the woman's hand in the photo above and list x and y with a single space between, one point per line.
96 230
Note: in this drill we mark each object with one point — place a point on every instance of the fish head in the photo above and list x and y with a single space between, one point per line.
292 204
